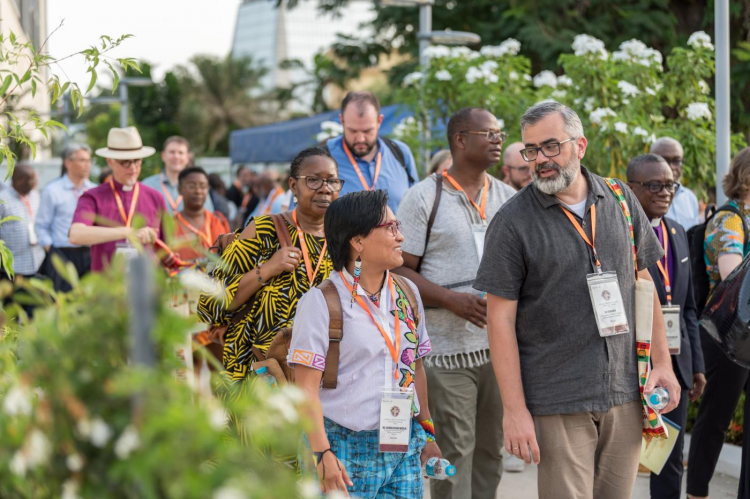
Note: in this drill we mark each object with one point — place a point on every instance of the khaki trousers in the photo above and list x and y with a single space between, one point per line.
589 455
468 414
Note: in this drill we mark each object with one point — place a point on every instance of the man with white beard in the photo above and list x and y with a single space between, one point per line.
559 271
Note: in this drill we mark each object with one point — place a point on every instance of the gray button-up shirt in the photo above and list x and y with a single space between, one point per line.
533 254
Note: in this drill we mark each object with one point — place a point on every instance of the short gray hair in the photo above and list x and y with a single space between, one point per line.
572 123
636 164
70 150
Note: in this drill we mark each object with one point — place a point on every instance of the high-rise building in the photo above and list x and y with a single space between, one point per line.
271 35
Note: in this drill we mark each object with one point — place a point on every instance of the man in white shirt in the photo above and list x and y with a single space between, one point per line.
684 209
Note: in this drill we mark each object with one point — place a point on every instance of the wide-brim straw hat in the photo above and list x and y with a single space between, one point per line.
125 143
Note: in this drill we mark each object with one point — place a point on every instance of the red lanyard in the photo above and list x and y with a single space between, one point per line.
481 208
174 204
583 234
133 203
205 234
359 172
394 349
27 202
269 204
305 254
665 272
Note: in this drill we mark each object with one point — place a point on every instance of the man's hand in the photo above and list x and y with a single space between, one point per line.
468 306
664 377
699 383
520 435
146 236
430 450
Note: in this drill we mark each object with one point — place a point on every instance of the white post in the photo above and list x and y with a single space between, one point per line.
425 28
123 104
723 117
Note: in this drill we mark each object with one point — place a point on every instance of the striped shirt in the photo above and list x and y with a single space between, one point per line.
26 258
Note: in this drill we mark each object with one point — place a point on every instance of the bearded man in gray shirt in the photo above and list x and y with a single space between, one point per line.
464 397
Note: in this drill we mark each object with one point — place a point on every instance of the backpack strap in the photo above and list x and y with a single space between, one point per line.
431 220
404 286
282 231
399 154
335 332
620 196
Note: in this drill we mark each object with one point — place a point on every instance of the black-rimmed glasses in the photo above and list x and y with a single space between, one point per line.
491 135
393 225
549 150
656 187
315 183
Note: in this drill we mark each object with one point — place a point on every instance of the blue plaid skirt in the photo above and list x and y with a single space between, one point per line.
375 474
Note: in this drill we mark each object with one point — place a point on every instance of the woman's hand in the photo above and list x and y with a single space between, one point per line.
430 450
332 475
285 260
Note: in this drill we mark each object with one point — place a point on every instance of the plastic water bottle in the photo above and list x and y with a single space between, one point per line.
658 399
262 372
439 469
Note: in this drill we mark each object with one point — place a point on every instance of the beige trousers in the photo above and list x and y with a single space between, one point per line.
589 455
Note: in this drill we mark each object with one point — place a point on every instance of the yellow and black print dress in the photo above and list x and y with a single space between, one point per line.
275 304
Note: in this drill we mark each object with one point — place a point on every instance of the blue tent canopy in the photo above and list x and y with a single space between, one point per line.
280 142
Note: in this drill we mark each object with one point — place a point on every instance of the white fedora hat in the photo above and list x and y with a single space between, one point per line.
125 143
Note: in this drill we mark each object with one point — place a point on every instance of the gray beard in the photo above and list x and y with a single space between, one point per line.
566 176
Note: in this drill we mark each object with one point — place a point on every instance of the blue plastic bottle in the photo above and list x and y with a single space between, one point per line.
262 372
439 469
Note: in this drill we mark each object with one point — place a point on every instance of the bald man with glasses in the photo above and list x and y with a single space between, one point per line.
684 207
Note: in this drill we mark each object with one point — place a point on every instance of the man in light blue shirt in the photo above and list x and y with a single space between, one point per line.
176 156
366 161
684 209
58 204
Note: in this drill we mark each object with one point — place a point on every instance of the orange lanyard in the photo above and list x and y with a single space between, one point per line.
27 202
481 208
133 203
665 272
583 234
305 253
267 210
394 349
174 204
359 172
205 234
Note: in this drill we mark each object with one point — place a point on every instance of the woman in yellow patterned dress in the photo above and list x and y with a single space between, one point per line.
256 267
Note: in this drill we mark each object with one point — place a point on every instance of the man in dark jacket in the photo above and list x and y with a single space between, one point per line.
652 181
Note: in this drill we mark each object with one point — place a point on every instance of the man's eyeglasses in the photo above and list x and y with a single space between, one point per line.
491 135
521 169
393 225
674 161
127 163
549 150
315 183
656 187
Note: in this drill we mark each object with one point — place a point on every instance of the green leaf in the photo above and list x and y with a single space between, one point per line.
33 88
26 76
12 38
6 84
93 79
6 259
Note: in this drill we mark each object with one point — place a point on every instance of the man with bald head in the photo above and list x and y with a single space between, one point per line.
22 200
684 207
651 179
516 170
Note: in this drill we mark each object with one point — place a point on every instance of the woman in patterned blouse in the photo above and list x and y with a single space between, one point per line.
256 267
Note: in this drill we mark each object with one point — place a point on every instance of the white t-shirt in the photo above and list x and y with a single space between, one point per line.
578 208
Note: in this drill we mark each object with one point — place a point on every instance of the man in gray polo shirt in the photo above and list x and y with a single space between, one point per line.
569 385
463 389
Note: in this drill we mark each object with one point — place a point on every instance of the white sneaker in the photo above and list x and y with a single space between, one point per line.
513 464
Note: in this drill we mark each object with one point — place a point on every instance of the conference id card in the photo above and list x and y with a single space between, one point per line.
671 315
33 240
609 308
395 420
478 231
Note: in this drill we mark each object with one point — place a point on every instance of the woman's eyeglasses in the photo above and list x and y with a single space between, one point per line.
315 183
393 225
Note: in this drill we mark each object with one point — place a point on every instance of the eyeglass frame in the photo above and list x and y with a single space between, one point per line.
524 152
393 223
660 184
674 161
127 163
500 134
325 181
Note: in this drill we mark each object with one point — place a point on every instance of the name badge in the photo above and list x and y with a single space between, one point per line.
671 315
609 309
395 420
478 231
127 252
33 240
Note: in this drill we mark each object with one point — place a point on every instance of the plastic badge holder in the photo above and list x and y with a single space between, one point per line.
394 430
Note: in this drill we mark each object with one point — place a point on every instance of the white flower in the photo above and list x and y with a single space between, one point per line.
74 462
473 74
83 428
559 94
284 406
585 44
463 53
700 39
229 492
403 127
703 86
640 131
599 114
658 87
628 89
17 401
18 464
698 110
332 127
510 46
588 105
545 78
513 76
437 52
308 489
500 124
128 442
35 451
70 490
621 127
637 51
217 416
443 75
101 433
527 77
651 139
650 91
488 66
199 281
412 78
564 80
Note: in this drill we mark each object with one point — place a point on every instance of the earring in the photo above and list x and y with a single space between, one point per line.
295 199
357 272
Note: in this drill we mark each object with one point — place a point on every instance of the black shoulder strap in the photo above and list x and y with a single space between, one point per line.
396 150
431 220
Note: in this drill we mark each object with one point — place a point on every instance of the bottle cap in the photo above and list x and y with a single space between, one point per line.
450 470
654 398
261 370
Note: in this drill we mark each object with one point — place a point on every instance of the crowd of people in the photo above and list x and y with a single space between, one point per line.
448 318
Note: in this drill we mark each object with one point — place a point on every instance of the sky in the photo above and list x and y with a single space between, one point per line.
166 32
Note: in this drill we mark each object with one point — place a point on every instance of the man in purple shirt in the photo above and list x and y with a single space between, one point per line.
107 216
652 181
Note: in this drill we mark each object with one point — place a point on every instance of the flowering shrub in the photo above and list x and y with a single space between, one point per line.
626 99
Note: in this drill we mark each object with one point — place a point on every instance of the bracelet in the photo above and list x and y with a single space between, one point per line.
318 456
260 279
429 427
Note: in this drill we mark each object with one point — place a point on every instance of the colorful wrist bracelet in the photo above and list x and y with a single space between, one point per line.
429 427
318 456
